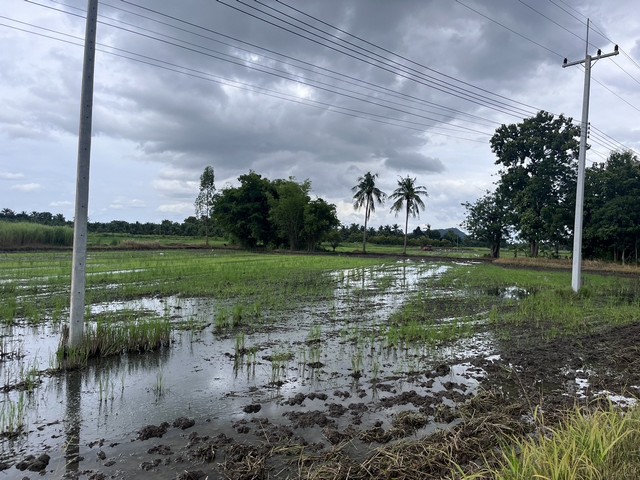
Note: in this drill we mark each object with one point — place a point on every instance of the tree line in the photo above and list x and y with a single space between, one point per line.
534 198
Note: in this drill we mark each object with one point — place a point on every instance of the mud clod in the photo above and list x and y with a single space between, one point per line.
336 410
253 408
34 464
153 431
160 450
184 423
319 396
148 466
309 419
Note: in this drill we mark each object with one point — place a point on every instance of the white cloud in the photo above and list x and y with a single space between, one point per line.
11 176
61 203
121 203
174 208
26 187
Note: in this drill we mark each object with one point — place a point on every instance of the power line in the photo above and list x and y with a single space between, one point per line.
243 86
361 81
551 20
286 76
114 26
510 29
402 56
443 88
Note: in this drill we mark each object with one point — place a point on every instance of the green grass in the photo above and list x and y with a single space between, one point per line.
587 445
109 339
551 309
259 281
16 235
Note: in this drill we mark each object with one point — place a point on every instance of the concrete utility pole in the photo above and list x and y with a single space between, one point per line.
79 260
576 271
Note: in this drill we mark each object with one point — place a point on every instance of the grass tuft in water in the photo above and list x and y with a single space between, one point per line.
108 339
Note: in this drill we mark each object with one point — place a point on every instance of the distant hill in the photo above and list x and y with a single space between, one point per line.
443 231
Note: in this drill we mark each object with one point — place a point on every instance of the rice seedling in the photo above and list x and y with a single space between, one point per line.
315 334
159 388
240 349
357 363
279 364
136 336
12 416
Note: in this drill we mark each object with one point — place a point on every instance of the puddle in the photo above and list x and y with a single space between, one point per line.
318 371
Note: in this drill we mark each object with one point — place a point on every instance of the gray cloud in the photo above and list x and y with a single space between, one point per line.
156 129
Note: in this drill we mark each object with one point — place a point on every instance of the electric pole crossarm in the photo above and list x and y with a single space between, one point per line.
597 57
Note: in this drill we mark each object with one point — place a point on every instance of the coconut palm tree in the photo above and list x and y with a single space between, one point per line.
408 195
367 194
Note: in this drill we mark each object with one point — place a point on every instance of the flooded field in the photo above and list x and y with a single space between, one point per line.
268 373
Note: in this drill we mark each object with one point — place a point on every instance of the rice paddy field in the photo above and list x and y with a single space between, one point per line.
226 364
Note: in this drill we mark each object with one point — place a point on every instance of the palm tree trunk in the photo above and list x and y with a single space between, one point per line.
364 233
406 226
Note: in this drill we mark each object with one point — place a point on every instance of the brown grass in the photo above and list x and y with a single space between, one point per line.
565 264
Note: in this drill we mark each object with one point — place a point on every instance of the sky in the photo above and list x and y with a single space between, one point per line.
320 90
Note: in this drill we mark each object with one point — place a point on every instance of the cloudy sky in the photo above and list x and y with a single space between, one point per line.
321 90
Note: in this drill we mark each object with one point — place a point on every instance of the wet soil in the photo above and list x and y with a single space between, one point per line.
323 434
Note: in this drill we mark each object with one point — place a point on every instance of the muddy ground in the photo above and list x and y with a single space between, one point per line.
338 434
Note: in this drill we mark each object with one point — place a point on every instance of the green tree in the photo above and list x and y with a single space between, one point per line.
488 221
243 212
334 238
320 218
205 200
287 209
408 195
366 195
538 158
612 208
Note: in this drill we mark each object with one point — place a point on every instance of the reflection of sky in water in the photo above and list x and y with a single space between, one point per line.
195 377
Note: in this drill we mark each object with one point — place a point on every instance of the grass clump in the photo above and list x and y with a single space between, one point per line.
587 445
107 339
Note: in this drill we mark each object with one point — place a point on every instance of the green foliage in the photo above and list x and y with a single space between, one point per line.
366 195
612 208
320 219
487 220
243 212
206 198
408 195
108 339
287 209
537 180
19 235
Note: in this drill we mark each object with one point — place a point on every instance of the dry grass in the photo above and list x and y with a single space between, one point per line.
565 264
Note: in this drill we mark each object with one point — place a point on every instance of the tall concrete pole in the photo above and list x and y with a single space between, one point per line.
576 270
79 260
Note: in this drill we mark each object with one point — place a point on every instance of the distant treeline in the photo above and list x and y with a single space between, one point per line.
194 227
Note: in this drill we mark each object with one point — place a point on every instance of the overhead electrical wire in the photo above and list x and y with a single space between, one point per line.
404 57
315 66
377 46
236 84
556 53
387 91
286 75
423 79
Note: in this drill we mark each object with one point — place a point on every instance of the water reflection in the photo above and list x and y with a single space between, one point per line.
72 420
